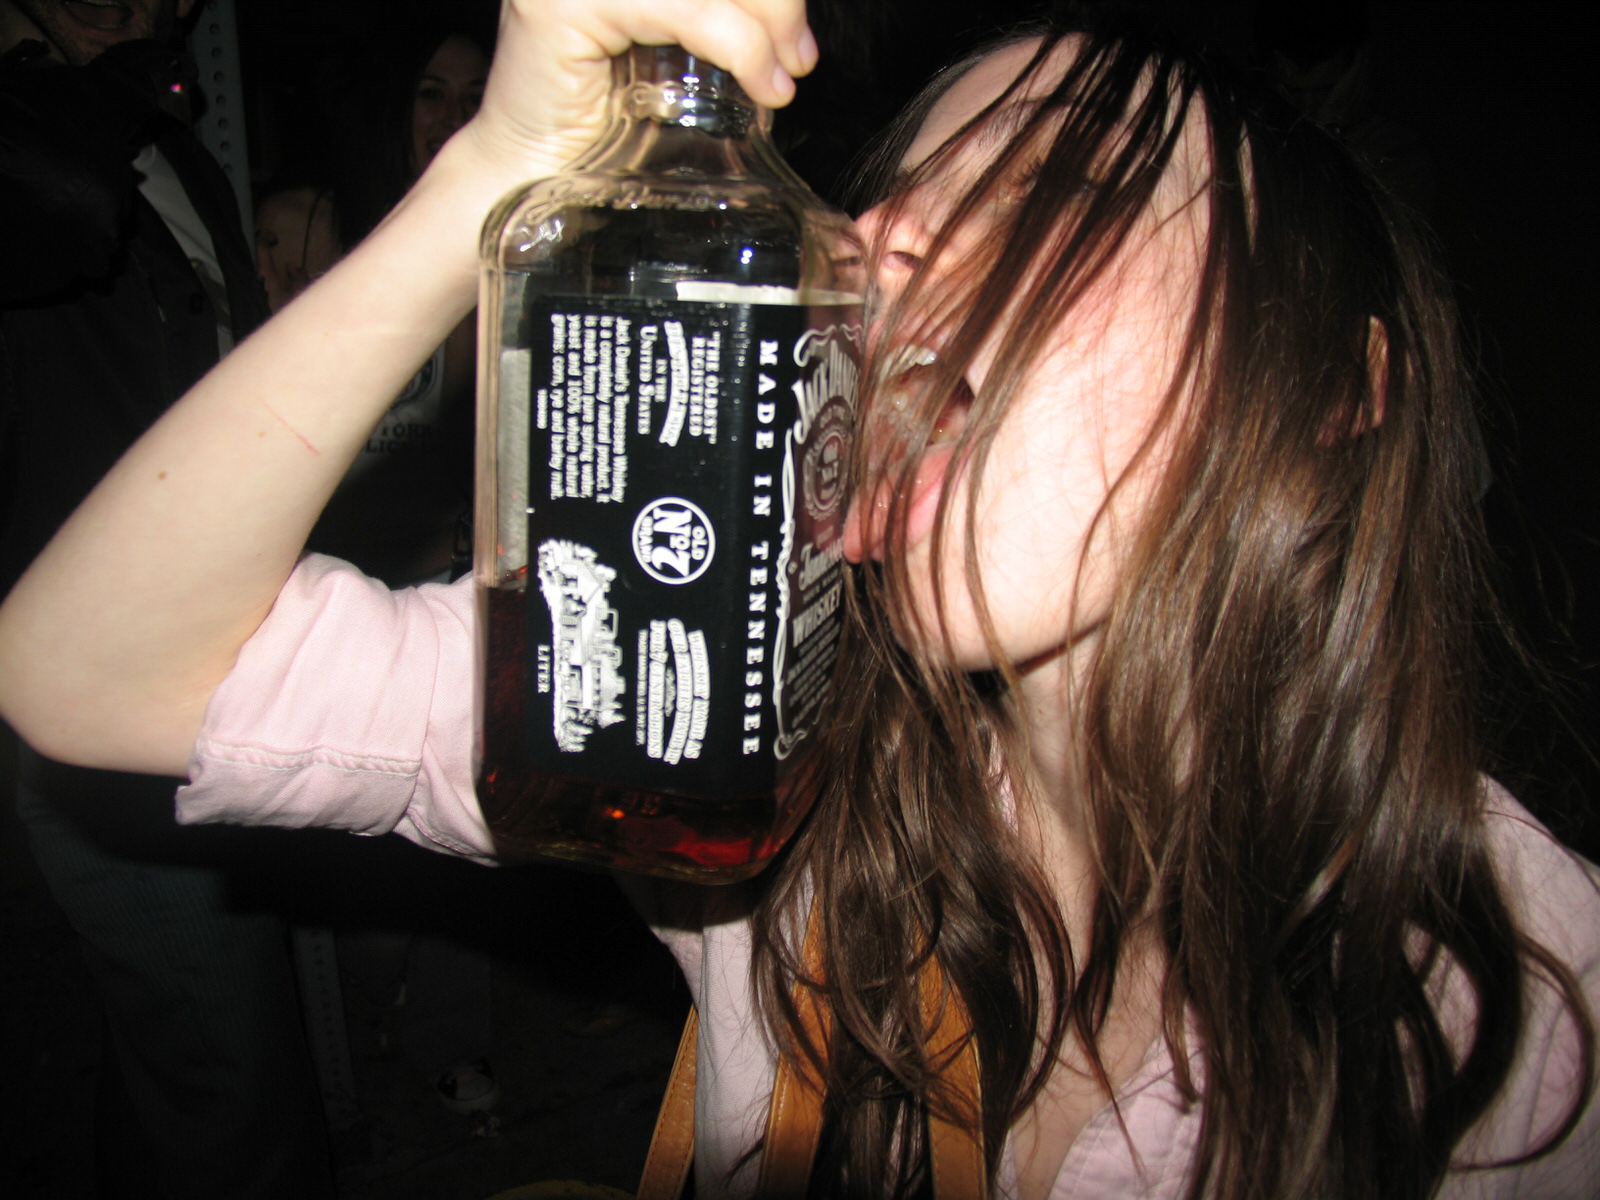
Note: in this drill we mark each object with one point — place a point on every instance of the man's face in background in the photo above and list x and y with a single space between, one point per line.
79 30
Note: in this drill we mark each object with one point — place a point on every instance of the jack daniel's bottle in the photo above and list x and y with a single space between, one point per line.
669 337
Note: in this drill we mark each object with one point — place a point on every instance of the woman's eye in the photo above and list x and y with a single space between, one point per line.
1018 184
1027 177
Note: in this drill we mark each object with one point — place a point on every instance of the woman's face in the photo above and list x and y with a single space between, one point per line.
296 242
1048 542
448 94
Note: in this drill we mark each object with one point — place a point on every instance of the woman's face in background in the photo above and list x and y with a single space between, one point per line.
297 240
448 93
1049 533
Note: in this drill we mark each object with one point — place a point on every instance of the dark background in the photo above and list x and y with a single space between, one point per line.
1488 109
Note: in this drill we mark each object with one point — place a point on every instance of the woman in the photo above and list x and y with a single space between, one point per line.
407 90
1154 741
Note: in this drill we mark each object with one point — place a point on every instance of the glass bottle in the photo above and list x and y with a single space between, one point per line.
669 336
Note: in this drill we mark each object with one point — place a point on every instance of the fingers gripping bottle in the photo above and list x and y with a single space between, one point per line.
669 347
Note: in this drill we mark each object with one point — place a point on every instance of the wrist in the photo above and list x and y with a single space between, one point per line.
433 231
500 163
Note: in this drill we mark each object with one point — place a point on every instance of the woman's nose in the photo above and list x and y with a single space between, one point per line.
896 243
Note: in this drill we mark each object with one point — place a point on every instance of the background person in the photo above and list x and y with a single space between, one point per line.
124 276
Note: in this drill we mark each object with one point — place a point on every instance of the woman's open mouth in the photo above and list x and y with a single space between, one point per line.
914 370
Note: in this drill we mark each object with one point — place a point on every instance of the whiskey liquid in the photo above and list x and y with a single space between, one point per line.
534 813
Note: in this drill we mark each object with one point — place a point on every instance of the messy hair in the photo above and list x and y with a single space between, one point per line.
1280 771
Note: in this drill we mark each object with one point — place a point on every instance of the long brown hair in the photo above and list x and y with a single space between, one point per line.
1280 763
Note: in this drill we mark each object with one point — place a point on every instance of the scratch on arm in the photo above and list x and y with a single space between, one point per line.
304 440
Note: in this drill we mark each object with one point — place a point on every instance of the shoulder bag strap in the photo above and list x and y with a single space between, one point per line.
666 1166
954 1151
794 1120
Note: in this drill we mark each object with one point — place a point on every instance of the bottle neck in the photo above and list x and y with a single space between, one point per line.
667 85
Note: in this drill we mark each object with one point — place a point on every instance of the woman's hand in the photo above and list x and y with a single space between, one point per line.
546 98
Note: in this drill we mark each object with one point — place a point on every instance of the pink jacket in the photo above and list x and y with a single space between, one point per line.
352 708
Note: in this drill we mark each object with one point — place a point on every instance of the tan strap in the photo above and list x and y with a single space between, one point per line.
666 1167
794 1120
954 1150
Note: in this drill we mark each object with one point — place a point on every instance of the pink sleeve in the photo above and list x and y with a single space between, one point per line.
350 708
1555 896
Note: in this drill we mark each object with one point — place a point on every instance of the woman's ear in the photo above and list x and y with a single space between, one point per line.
1372 413
1367 414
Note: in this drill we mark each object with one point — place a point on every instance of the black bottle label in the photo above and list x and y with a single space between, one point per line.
686 465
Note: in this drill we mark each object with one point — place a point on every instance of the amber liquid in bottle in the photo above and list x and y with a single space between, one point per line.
606 825
668 340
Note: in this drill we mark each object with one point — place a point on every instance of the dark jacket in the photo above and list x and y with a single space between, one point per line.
103 322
